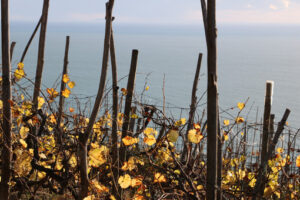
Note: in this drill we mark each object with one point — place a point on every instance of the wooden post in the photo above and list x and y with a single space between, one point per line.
266 122
62 87
41 53
212 100
31 38
192 110
128 101
115 149
259 186
83 139
12 47
6 154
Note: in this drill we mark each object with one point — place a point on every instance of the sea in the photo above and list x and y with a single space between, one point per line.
248 56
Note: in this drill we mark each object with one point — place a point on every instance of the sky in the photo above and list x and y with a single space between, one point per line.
174 12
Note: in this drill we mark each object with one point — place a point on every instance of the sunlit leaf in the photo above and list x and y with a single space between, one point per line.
159 178
24 132
298 161
127 141
20 65
241 105
124 181
239 120
98 156
23 143
41 102
71 109
226 122
180 122
149 140
71 84
66 93
66 78
194 137
147 88
19 74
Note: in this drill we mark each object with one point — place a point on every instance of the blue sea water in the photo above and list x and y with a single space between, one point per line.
248 55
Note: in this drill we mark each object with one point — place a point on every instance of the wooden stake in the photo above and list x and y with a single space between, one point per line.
83 139
6 154
128 101
41 53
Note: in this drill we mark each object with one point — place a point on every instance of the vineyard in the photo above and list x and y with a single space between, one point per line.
129 149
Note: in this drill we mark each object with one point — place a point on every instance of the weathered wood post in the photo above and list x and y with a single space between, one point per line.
266 122
115 149
41 53
260 180
128 101
212 100
83 139
12 47
193 105
6 154
62 88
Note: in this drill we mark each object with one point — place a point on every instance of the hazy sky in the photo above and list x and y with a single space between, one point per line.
160 11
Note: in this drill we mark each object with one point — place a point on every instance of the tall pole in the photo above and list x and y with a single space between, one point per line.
6 98
212 101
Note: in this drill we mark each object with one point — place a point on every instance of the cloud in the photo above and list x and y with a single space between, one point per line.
273 7
286 3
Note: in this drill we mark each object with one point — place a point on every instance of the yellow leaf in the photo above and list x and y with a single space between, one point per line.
23 143
66 93
226 122
73 161
159 178
279 150
129 140
150 131
149 140
98 156
147 88
19 74
52 93
99 187
66 78
134 116
20 65
194 137
172 135
71 84
241 105
180 122
226 137
124 91
298 161
1 104
239 120
41 102
124 181
136 182
24 132
200 187
91 197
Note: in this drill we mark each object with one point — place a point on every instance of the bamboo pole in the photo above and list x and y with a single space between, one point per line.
83 139
6 97
128 101
41 53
